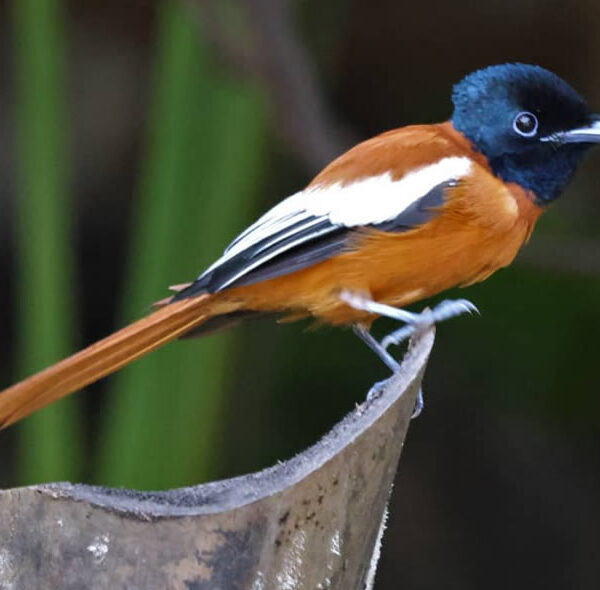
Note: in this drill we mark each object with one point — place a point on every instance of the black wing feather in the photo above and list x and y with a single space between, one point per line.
317 243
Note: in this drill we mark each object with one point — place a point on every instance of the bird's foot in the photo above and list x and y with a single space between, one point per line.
447 309
379 387
414 322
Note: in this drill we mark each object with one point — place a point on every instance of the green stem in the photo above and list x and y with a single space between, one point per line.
50 441
204 151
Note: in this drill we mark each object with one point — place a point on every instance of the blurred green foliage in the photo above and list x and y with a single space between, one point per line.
50 444
203 162
202 165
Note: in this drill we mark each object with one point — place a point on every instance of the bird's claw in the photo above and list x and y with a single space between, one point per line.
419 405
378 388
447 309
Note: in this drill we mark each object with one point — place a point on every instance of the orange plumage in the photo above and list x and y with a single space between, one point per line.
479 228
483 224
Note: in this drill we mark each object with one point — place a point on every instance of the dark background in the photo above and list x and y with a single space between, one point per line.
136 139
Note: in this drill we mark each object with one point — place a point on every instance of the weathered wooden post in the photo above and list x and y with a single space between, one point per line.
313 522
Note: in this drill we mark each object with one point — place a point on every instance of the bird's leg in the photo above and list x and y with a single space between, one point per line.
414 322
364 334
387 358
363 303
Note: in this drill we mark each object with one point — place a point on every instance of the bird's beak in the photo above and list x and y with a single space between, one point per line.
588 134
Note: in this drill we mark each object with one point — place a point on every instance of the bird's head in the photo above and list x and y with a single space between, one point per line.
529 123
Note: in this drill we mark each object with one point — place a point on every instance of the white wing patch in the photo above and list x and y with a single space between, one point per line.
368 201
379 198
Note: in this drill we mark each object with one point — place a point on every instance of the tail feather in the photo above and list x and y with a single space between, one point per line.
103 357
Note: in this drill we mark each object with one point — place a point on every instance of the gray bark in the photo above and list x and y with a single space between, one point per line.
313 522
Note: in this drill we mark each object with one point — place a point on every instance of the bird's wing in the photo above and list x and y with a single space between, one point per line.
316 223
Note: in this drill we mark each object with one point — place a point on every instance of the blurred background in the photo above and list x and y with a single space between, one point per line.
137 138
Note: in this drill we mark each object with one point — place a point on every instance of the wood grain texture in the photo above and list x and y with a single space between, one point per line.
311 522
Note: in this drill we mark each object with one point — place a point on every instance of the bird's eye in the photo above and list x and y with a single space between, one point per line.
526 124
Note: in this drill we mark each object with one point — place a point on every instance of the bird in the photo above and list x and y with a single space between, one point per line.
398 218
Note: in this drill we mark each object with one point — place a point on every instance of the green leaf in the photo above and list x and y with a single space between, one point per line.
201 171
50 443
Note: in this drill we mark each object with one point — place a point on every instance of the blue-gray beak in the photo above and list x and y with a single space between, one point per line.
588 134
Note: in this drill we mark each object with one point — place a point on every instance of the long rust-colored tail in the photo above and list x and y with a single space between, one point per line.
104 357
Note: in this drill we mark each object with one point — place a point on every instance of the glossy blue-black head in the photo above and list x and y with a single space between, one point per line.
529 123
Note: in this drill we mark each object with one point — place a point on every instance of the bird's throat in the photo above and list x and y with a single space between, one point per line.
545 172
